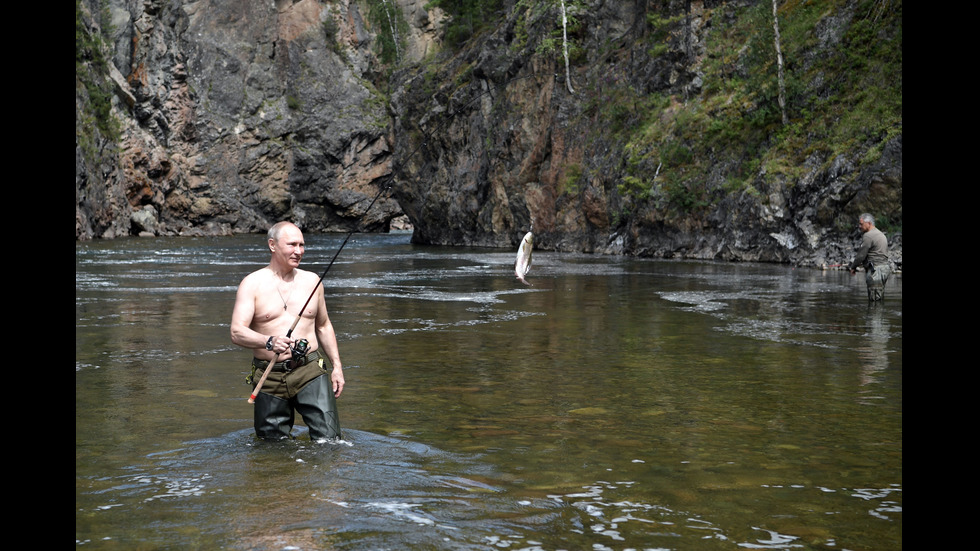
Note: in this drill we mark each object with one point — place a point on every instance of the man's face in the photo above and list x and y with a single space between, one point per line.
865 226
290 247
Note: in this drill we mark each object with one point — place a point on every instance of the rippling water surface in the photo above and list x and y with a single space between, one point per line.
616 404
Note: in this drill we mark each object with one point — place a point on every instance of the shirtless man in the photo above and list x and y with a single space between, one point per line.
266 306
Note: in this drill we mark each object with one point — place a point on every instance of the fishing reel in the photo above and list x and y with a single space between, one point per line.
300 347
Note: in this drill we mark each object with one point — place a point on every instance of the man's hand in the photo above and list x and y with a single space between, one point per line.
281 344
337 376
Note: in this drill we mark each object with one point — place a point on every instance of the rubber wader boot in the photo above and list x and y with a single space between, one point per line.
318 406
273 417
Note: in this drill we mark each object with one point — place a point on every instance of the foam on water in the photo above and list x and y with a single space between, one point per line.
374 484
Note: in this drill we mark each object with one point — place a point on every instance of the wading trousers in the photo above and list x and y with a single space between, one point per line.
876 278
306 389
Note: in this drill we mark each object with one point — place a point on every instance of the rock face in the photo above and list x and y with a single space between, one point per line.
238 114
496 140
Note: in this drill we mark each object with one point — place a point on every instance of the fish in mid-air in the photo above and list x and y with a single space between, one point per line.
523 264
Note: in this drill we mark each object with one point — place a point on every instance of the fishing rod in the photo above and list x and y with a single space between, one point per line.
272 362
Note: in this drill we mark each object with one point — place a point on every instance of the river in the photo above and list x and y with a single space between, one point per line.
615 404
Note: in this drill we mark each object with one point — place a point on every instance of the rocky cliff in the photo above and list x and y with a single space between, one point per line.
233 115
667 136
656 143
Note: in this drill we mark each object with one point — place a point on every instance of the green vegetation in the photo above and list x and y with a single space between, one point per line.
573 178
467 18
390 27
843 96
330 30
553 42
660 32
92 72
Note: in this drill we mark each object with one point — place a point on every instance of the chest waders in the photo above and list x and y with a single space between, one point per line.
306 389
875 277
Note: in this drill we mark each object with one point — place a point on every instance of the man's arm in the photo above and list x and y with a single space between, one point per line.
862 253
327 338
242 316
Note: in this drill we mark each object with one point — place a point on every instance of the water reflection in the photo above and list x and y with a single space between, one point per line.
616 404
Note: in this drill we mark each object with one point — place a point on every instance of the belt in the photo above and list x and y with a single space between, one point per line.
290 364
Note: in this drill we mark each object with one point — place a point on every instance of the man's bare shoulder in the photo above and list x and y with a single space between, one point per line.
306 276
256 278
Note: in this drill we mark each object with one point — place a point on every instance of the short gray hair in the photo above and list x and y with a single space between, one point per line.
867 218
276 229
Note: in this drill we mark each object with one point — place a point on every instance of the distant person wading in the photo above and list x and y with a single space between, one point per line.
872 255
